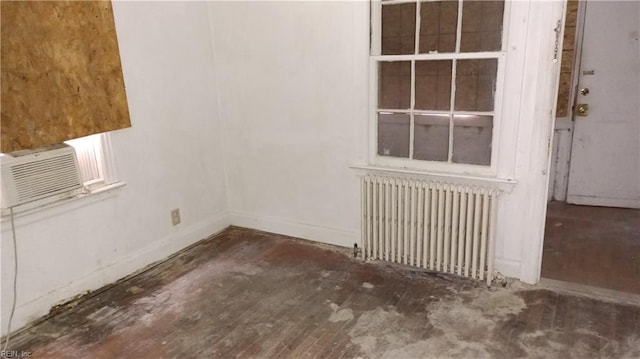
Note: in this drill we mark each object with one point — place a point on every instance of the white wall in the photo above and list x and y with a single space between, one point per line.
293 86
170 158
289 81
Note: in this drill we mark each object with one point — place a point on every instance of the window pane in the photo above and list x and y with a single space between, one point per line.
431 138
393 134
438 26
476 84
433 85
481 25
88 154
472 139
398 29
394 85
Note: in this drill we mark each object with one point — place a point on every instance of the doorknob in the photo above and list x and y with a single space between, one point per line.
584 91
582 109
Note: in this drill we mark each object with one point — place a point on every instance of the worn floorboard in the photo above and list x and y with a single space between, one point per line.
250 294
594 246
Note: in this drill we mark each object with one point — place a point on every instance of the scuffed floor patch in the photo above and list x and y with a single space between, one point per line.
460 326
490 323
250 294
340 315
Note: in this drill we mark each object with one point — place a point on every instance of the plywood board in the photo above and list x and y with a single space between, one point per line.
61 73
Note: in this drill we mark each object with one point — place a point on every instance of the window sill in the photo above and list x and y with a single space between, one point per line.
36 211
502 184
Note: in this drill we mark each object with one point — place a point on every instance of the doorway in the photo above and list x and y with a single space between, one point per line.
592 234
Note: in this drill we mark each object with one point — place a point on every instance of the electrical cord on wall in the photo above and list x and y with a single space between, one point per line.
15 280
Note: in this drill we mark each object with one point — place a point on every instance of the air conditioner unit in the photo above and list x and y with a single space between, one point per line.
32 175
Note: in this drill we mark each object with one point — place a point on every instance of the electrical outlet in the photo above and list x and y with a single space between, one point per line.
175 216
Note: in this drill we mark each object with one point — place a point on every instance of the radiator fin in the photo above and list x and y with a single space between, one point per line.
439 226
41 174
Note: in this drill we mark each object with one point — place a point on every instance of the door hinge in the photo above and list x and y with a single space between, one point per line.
556 49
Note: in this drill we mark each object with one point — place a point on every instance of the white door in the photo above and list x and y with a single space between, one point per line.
605 155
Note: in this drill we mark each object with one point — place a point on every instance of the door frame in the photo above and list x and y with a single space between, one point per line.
561 156
537 123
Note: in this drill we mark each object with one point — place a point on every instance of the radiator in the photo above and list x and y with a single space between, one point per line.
438 226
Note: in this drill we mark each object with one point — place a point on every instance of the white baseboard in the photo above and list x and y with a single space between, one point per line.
186 236
508 267
124 266
312 232
340 237
603 202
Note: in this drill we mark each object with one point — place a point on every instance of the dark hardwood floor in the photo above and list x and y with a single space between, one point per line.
249 294
595 246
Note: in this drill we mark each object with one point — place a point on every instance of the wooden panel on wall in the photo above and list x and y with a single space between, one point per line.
61 73
568 51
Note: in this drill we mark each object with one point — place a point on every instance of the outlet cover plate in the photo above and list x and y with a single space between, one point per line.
175 216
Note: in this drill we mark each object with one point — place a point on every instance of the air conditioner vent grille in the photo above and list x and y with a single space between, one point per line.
41 175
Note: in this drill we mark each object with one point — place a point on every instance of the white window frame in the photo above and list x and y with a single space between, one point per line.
96 189
95 160
375 58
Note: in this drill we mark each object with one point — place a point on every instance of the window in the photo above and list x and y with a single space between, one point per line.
96 168
437 69
94 160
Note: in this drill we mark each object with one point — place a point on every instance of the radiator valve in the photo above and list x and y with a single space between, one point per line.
356 250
